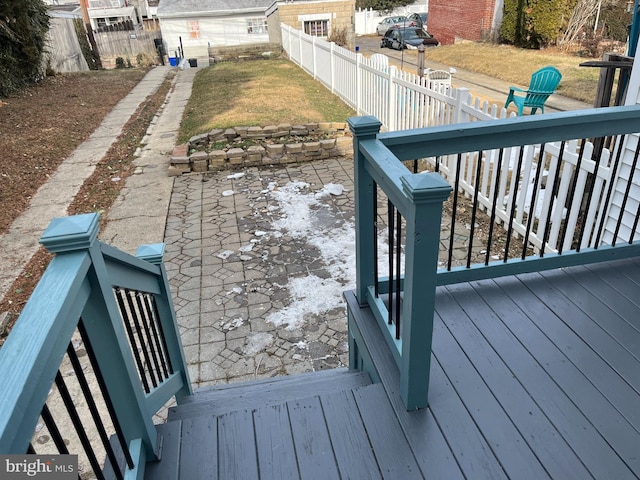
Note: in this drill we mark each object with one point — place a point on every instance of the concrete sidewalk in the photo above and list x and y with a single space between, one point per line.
20 243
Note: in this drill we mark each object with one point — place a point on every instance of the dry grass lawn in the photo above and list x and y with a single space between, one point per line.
258 93
516 65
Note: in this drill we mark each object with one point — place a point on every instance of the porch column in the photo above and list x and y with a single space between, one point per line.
426 192
363 128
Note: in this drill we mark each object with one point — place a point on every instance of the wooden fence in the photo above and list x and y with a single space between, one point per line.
127 45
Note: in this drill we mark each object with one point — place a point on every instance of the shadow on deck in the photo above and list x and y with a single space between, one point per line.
534 376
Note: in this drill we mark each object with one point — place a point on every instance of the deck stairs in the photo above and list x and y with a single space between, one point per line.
314 425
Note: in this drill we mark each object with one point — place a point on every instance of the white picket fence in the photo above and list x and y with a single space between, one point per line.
403 101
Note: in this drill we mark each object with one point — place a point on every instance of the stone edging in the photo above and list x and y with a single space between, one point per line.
193 157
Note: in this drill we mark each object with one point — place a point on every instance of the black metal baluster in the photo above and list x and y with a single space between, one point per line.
437 166
135 316
162 337
376 280
391 217
474 209
453 212
398 271
132 339
494 206
512 211
415 165
56 436
95 414
626 195
31 450
607 201
105 393
534 198
154 320
145 320
556 177
571 195
77 423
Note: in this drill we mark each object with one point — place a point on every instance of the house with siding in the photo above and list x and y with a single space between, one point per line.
192 26
478 20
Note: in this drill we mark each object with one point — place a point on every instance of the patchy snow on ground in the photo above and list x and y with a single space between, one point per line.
299 209
256 342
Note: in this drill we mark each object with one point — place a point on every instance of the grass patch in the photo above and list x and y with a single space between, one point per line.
516 65
258 93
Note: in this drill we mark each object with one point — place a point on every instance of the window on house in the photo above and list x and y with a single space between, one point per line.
317 28
194 28
256 26
102 22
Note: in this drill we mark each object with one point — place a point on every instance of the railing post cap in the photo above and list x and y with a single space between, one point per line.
426 187
66 234
152 253
364 126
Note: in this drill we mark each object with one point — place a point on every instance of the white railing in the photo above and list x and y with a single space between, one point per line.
400 100
404 101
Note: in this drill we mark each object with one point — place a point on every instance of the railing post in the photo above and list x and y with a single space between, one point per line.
426 193
332 56
392 99
462 97
105 330
154 254
358 82
314 59
363 128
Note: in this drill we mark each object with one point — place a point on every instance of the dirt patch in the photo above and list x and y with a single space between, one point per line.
49 121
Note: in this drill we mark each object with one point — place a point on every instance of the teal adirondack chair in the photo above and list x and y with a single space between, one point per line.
543 84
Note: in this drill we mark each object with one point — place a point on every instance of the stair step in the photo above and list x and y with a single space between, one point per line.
310 437
250 395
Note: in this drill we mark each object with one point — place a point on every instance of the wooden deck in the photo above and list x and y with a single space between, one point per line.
532 377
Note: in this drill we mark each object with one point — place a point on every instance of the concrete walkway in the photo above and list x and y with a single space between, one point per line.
20 243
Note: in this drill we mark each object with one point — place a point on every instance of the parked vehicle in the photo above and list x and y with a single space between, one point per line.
392 22
419 19
401 38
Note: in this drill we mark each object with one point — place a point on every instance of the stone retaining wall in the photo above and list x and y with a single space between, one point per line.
274 144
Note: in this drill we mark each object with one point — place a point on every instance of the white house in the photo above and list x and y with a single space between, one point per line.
192 26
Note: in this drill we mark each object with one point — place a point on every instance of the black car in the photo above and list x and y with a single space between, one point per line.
419 19
401 38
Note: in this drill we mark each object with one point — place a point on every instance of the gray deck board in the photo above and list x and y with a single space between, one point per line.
314 451
271 392
276 453
351 445
502 408
598 357
169 466
541 368
199 436
534 376
570 376
390 446
237 456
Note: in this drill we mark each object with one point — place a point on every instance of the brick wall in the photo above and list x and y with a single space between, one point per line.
456 19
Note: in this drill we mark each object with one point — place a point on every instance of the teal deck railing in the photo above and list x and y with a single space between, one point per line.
122 307
402 300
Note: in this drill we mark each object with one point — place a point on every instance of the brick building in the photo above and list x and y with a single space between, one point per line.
452 20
